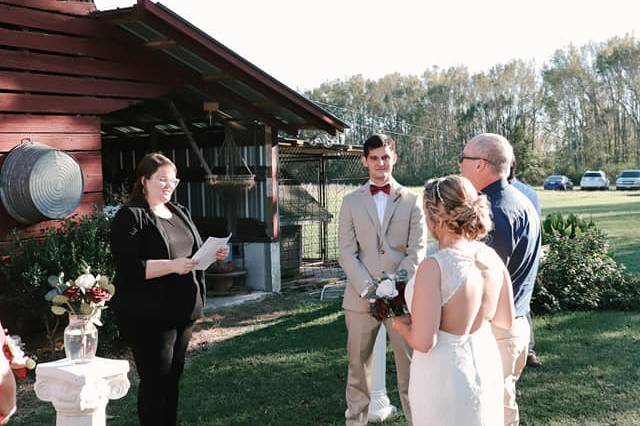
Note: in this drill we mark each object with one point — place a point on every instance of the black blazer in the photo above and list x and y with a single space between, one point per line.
137 237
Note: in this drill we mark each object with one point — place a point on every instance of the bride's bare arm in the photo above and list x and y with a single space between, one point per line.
420 332
505 311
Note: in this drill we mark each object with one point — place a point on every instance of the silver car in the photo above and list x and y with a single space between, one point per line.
594 180
628 179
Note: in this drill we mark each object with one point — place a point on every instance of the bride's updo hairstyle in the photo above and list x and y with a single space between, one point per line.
452 203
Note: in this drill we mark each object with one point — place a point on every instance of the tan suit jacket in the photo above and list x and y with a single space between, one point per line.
369 248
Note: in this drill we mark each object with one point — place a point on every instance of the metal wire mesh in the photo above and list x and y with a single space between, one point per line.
313 182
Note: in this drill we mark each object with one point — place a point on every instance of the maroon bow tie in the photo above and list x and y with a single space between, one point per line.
384 188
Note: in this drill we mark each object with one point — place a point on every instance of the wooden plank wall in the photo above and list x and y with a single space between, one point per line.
79 136
60 69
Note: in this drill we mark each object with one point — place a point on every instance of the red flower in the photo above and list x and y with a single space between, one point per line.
20 373
98 294
73 293
380 309
7 353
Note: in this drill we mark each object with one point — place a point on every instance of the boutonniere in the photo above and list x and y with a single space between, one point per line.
399 193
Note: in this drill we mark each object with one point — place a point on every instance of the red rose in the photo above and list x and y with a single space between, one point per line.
73 293
98 294
380 309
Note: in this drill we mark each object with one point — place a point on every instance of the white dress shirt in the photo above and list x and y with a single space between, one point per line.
380 199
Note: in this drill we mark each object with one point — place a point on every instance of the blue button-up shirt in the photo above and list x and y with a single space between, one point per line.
530 194
516 239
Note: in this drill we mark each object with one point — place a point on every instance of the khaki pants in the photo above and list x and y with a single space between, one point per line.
362 330
513 346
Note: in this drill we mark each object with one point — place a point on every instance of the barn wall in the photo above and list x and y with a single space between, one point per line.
59 71
79 136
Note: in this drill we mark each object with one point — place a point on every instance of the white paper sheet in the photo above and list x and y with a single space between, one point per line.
206 254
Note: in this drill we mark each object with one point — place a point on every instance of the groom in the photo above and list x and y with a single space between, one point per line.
381 230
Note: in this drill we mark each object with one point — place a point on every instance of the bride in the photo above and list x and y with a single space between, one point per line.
456 376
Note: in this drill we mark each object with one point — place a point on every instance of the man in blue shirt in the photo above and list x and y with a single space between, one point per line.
485 161
530 193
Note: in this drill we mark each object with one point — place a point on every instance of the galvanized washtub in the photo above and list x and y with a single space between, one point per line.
40 183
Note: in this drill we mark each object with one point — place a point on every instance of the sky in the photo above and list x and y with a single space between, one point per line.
305 43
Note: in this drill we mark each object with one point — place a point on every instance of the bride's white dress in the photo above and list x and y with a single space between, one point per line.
459 382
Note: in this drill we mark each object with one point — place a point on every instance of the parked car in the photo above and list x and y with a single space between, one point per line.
628 179
559 182
594 180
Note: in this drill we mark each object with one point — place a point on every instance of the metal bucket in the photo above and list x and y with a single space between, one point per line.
40 183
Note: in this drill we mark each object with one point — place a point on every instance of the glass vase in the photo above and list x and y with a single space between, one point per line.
80 339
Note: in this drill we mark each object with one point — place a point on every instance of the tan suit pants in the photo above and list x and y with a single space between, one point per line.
513 345
362 330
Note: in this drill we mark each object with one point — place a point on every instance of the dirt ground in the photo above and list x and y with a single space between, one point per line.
215 327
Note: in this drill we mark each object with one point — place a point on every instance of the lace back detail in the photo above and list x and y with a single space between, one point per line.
454 267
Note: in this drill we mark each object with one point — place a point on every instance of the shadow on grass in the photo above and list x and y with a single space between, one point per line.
590 371
627 209
291 372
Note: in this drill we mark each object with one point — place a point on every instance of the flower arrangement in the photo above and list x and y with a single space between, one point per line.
86 295
386 295
13 350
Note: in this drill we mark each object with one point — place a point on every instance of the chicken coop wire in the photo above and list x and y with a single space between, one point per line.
313 181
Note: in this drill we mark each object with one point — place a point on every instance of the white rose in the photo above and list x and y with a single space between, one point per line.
387 288
85 281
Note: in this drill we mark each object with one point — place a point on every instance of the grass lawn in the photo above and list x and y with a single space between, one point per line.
291 370
289 367
617 213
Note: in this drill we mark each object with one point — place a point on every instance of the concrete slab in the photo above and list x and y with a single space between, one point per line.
216 303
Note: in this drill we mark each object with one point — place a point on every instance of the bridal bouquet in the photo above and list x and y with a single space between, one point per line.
386 295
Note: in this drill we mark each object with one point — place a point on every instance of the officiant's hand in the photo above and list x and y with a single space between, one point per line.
182 265
222 253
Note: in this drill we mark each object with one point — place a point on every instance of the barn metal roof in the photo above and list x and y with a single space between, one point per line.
245 92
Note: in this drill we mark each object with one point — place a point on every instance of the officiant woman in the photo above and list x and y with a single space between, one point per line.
159 294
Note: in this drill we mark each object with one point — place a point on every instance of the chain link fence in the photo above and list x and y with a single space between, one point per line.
313 182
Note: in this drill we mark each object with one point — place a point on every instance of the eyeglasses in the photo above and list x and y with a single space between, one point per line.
164 182
463 157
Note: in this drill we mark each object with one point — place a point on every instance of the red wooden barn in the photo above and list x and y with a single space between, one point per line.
109 86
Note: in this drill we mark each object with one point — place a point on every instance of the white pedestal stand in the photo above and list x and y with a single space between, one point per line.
80 392
380 407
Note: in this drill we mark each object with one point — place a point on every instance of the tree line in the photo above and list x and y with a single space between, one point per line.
578 111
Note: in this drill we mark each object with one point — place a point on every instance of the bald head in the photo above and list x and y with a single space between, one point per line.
495 149
486 159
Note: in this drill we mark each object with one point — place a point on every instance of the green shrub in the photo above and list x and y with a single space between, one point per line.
578 273
556 224
32 261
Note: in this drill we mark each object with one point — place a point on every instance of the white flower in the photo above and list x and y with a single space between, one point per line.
387 288
85 281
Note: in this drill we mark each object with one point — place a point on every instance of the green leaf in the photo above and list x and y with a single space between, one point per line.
60 300
58 310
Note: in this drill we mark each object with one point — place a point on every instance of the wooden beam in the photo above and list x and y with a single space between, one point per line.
64 44
49 21
11 123
43 62
240 103
160 44
13 102
217 77
265 103
81 8
200 43
28 82
65 141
